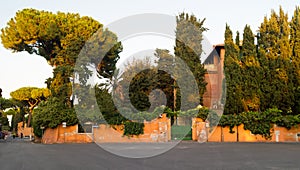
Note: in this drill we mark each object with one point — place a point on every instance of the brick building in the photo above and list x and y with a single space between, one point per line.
214 64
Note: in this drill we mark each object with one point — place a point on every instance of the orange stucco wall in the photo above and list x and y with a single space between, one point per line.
157 130
287 135
64 135
221 134
26 131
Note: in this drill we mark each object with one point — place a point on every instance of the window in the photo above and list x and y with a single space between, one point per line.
85 128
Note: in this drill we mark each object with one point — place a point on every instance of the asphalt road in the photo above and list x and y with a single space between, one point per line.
17 155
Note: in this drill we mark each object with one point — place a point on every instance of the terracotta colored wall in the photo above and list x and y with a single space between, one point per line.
220 134
227 136
215 135
158 130
50 136
287 135
26 131
197 126
65 135
247 136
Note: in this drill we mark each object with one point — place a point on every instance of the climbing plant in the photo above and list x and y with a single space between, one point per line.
133 128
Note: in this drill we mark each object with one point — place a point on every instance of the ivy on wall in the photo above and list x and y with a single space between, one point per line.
259 123
133 128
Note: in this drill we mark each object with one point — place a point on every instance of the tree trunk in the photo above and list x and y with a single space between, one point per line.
29 117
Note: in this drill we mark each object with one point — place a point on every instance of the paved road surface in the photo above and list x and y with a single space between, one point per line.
187 155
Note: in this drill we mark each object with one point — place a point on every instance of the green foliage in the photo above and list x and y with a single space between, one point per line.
188 47
275 59
264 75
18 116
296 107
147 87
165 81
143 90
142 86
250 73
32 96
56 37
232 69
5 104
133 128
107 108
60 84
89 115
260 122
113 117
52 113
4 121
37 130
230 121
3 117
169 112
59 38
257 122
10 112
288 121
203 113
295 57
141 116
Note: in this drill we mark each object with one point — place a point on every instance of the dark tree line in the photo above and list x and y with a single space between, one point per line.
265 74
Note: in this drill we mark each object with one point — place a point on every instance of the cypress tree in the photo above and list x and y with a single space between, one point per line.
274 56
189 49
250 72
164 80
232 71
237 38
295 57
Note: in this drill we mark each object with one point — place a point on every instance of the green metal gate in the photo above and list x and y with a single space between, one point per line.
181 132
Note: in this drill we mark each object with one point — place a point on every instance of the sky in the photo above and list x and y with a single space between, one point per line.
22 69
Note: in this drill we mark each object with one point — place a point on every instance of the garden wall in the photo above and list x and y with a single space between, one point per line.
23 129
222 134
157 130
64 135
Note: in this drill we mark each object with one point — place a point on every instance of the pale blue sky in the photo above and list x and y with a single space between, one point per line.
21 69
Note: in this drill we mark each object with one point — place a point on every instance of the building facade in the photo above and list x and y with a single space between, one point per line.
214 64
